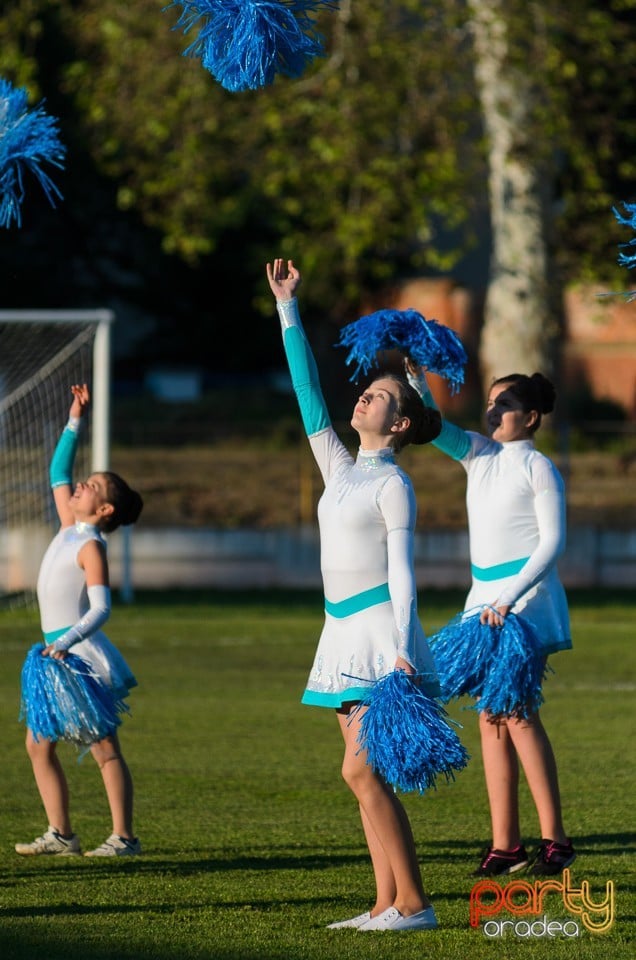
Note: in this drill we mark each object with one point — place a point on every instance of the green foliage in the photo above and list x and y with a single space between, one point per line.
369 167
358 184
590 70
252 841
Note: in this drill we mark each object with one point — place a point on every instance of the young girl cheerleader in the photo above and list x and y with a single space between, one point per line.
74 601
516 518
366 517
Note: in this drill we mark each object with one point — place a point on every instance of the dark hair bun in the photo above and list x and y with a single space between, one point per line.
428 426
545 392
132 508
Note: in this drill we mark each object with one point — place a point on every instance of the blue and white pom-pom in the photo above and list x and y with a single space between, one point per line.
65 700
29 140
429 343
502 667
407 735
628 259
245 43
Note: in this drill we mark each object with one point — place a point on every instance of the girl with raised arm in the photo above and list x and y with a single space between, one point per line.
367 518
74 600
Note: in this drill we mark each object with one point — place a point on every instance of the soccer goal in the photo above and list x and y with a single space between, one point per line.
42 352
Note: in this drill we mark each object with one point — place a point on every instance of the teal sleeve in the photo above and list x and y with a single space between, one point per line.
453 441
61 468
305 380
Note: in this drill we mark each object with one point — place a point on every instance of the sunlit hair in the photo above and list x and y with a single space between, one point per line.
533 392
425 422
127 503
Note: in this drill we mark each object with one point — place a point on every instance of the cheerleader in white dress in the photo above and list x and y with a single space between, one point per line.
516 519
74 601
366 517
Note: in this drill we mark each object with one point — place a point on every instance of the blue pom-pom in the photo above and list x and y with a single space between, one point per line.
407 735
66 700
625 259
245 43
429 343
628 220
29 139
501 667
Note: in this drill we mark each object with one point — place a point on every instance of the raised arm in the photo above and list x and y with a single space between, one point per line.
452 440
284 280
61 468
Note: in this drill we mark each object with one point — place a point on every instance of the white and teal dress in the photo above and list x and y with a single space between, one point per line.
367 519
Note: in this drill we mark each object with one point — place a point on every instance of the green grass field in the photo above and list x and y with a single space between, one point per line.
252 842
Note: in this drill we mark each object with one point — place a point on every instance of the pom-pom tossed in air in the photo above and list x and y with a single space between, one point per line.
502 667
29 140
65 700
627 259
245 43
407 736
429 343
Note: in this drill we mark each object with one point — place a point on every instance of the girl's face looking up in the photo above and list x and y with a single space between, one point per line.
376 411
89 498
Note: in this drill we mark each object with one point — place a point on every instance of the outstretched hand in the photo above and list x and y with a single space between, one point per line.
283 280
81 399
413 368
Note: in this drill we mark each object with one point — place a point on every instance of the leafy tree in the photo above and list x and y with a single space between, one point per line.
534 64
354 168
369 168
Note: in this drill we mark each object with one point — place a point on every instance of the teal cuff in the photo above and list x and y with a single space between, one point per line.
453 441
61 469
306 382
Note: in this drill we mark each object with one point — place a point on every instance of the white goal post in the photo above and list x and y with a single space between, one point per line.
42 352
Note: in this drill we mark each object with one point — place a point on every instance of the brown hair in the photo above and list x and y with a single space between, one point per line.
533 392
127 504
426 422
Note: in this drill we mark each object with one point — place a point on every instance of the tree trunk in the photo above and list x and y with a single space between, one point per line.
519 327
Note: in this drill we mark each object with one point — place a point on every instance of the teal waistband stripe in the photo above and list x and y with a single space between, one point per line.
52 635
358 602
312 698
499 570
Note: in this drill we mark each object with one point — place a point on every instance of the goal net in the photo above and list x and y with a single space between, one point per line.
41 354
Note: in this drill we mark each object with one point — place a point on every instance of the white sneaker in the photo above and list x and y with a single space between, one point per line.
50 843
116 847
392 919
353 922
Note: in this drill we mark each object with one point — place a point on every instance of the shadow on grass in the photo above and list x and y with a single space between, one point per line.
445 851
592 844
28 939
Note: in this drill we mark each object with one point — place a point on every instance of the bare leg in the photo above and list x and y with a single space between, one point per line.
51 783
384 879
539 765
118 784
501 770
386 826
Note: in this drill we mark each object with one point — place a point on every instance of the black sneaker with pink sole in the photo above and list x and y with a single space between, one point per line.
496 863
552 858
